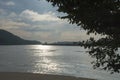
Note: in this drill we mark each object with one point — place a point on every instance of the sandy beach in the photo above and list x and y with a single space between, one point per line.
33 76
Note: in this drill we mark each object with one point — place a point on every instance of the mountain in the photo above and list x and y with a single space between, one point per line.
7 38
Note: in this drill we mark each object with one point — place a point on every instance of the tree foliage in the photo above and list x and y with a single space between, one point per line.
99 17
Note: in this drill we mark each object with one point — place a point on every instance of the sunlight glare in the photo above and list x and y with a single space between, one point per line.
43 50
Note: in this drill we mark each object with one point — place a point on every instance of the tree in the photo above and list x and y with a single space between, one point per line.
99 17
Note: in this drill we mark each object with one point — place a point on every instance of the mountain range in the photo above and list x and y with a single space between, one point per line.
7 38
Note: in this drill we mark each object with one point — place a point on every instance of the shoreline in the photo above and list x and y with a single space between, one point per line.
36 76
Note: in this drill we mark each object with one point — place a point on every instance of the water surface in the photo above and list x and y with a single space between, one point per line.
60 60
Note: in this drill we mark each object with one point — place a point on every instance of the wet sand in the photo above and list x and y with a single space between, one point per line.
34 76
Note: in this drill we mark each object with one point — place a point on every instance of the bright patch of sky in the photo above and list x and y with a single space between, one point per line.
37 20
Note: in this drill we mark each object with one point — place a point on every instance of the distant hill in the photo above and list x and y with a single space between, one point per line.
65 43
7 38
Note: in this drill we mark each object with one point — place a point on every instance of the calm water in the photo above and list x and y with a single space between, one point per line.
61 60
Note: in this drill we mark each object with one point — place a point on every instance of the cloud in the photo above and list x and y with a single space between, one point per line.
2 12
71 35
40 36
35 16
12 14
37 20
21 33
8 23
9 3
78 35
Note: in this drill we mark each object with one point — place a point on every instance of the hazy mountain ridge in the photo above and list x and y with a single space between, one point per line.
7 38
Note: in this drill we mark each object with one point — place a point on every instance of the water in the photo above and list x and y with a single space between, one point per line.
60 60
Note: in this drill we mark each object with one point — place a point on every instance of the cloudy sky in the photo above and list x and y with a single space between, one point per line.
37 20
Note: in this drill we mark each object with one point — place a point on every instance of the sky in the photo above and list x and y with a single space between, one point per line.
38 20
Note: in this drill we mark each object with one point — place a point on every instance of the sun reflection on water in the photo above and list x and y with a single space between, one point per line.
43 50
43 62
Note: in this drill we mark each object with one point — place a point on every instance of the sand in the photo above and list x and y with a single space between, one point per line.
33 76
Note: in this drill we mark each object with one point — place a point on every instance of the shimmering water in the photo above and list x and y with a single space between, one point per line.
61 60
